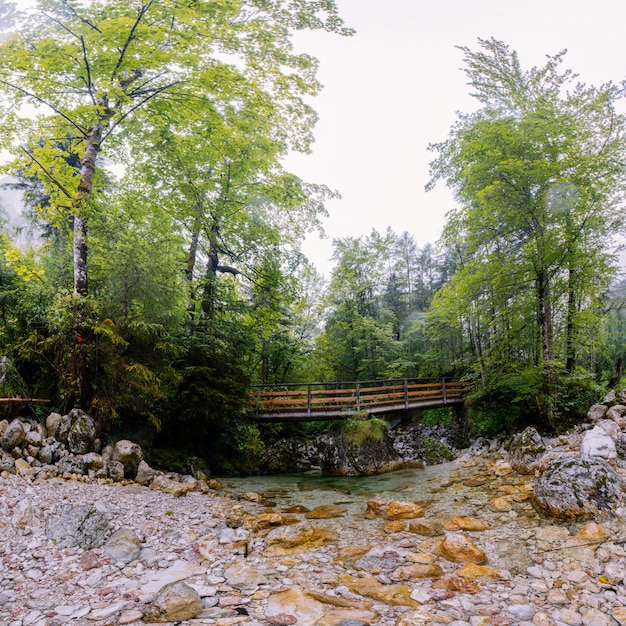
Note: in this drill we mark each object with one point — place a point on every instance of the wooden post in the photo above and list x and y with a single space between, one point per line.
443 390
358 397
258 402
406 393
308 401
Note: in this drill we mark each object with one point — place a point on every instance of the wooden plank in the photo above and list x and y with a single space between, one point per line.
38 400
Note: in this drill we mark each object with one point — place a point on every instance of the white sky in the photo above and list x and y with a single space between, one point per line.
396 86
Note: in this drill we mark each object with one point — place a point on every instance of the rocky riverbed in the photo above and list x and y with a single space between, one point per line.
458 544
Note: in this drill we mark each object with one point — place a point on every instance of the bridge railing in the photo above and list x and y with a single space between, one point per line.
332 400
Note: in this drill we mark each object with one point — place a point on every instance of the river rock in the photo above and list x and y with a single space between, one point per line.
175 602
7 462
145 474
326 511
243 576
597 412
382 558
597 444
416 571
58 426
573 487
619 615
404 510
470 524
427 528
130 455
457 584
22 468
294 607
123 546
82 432
609 427
471 571
14 435
393 510
167 485
297 538
77 525
526 450
459 549
92 461
71 465
368 586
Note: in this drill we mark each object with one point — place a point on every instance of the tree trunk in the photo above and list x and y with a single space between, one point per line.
545 316
571 314
210 280
85 187
189 270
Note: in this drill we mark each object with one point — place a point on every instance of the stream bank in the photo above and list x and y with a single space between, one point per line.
458 543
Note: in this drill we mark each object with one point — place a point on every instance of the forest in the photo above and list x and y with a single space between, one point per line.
160 276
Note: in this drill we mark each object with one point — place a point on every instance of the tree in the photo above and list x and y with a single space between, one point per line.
87 85
537 172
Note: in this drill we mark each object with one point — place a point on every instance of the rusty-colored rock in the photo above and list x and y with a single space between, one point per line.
459 549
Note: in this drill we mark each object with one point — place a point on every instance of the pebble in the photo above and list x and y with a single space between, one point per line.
212 543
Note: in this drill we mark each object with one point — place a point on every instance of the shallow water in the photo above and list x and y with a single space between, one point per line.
445 490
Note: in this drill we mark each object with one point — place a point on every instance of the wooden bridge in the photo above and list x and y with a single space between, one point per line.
328 401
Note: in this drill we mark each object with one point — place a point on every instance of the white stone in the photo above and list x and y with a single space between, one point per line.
106 611
594 617
570 617
596 444
180 570
523 612
535 571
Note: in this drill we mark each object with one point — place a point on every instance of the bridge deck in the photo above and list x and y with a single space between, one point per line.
327 401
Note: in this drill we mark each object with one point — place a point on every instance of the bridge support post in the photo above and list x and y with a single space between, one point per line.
460 426
358 397
406 393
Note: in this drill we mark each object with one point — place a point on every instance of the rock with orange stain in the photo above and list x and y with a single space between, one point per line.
425 528
459 549
471 571
369 587
471 524
416 571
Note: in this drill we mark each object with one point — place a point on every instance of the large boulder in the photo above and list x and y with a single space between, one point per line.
14 435
58 426
578 488
526 451
82 432
597 412
129 454
364 451
80 526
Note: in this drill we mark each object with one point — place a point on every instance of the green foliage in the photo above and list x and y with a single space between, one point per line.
435 451
537 173
359 430
436 417
378 292
519 397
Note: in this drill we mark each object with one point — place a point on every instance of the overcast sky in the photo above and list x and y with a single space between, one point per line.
396 86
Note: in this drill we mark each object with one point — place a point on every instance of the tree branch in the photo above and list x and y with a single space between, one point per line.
130 111
46 103
131 35
47 173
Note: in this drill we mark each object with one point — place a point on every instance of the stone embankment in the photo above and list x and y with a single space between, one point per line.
90 547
